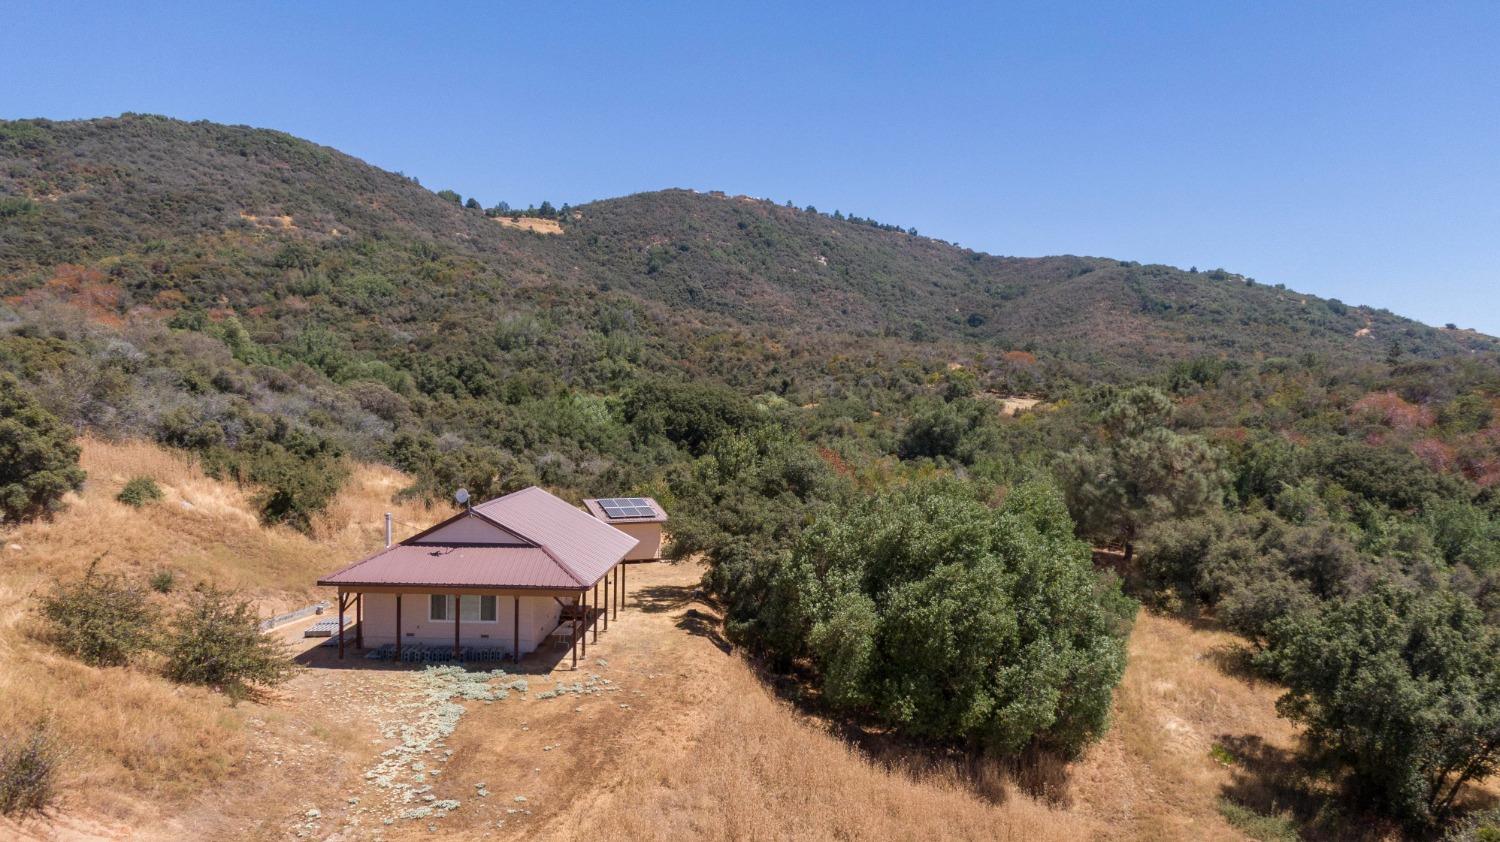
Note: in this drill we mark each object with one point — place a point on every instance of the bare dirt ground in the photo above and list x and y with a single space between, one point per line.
531 223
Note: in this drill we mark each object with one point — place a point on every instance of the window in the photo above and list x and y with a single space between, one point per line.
474 609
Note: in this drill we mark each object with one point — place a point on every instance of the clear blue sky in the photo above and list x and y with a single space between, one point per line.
1346 150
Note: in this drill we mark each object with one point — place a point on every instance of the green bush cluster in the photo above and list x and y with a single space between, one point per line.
101 619
215 639
957 621
38 459
139 491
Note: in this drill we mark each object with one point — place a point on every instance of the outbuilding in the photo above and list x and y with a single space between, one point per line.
639 517
500 577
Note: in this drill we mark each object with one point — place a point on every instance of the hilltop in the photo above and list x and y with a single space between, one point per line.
180 215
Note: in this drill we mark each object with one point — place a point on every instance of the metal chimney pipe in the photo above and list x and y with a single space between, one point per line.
388 540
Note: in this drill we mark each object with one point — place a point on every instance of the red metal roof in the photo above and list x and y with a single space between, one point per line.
451 566
568 550
586 546
659 515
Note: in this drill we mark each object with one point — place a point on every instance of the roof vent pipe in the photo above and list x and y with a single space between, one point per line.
388 541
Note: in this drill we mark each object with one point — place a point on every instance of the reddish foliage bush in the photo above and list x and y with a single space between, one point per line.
1389 409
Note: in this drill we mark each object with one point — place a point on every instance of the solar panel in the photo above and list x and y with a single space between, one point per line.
623 507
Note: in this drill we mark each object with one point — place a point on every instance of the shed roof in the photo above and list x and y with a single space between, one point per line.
562 548
600 508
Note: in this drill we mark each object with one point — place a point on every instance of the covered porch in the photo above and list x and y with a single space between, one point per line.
433 623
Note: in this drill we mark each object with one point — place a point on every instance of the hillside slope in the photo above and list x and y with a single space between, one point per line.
209 210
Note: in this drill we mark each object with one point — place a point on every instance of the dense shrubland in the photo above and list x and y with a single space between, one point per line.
818 404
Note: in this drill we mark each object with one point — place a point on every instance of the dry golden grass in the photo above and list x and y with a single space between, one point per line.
758 770
1153 776
136 740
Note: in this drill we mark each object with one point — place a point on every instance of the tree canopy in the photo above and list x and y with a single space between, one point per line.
38 459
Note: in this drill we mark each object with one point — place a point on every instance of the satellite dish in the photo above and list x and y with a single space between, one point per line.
462 496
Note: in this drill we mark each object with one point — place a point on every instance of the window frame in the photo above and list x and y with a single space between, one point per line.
448 602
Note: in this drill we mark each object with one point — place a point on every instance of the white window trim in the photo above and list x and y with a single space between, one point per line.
432 619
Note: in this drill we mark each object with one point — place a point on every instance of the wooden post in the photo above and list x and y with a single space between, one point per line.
456 611
606 600
623 568
583 628
619 583
515 634
359 621
594 621
575 643
398 628
341 625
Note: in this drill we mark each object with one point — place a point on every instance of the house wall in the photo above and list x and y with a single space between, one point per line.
649 537
539 615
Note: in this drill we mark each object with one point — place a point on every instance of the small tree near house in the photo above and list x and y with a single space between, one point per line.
100 619
217 641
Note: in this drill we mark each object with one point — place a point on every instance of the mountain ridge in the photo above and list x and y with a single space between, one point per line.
146 216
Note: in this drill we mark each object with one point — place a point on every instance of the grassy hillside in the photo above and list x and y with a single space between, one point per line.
178 214
138 742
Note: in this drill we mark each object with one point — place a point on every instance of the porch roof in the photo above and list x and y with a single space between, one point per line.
455 566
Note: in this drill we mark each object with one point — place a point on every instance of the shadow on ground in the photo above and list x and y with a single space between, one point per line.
1038 774
1274 781
699 615
326 657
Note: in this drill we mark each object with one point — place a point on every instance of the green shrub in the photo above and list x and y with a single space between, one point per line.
1399 686
1277 827
216 641
28 773
951 620
101 619
1481 826
139 491
163 581
38 459
296 485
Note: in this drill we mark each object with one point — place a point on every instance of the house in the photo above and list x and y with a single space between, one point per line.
639 517
500 576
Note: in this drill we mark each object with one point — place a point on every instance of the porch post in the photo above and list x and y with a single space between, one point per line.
341 625
619 579
583 628
623 568
457 610
606 600
398 628
359 620
515 633
594 621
